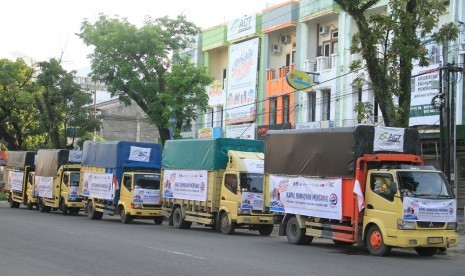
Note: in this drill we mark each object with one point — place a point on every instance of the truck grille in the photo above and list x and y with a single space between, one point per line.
151 206
430 224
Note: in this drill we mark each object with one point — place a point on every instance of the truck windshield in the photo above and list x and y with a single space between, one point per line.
74 179
424 184
251 182
147 181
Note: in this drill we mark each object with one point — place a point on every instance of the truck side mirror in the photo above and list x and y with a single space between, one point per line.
393 188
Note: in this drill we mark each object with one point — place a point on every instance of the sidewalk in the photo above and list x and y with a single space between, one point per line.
460 248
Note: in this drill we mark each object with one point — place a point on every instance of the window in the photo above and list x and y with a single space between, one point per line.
272 113
209 117
230 182
326 49
127 182
225 75
381 184
219 117
325 105
311 105
290 58
286 109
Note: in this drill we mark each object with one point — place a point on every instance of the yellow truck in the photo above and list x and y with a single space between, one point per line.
121 177
20 167
360 185
56 180
216 183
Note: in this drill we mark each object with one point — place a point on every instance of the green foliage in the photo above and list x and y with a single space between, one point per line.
389 42
88 136
62 104
136 64
19 127
364 110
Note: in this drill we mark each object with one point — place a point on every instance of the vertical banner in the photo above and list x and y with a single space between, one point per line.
98 185
389 139
252 201
186 184
242 82
139 154
146 196
216 95
44 186
73 192
306 196
434 210
15 181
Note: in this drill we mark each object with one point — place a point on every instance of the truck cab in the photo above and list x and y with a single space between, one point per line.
409 206
17 195
242 194
31 199
140 197
65 192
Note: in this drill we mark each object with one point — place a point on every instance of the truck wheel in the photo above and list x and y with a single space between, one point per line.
64 208
266 230
125 218
178 221
91 213
427 251
375 242
41 206
295 234
226 227
158 220
11 202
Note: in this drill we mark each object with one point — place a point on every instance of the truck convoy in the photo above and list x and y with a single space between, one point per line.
360 185
19 185
122 178
57 180
216 183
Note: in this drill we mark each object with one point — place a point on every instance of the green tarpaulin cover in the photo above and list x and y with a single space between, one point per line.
205 154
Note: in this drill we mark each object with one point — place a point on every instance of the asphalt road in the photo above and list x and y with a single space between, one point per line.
33 243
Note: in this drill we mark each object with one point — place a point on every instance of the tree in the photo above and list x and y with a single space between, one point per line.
136 64
390 43
19 127
62 104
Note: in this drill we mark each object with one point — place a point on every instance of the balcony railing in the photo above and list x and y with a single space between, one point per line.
273 74
321 63
371 121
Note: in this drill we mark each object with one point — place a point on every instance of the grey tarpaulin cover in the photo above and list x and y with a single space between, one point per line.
21 159
49 160
330 152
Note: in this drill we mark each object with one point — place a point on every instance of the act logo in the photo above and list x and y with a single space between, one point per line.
389 137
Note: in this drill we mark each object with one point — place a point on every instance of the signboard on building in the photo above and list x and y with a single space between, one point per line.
299 80
242 82
216 95
262 130
211 132
242 131
242 26
308 125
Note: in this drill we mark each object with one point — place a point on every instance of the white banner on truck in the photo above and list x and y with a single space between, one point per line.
15 181
185 184
75 156
306 196
44 186
139 154
254 165
389 139
98 185
434 210
73 192
147 196
252 201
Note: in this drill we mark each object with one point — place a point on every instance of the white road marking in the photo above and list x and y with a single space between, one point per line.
177 253
69 232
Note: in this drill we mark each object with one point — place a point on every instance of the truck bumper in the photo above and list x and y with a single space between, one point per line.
72 204
141 213
444 238
262 219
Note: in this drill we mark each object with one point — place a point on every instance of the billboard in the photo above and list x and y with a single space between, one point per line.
242 26
242 82
243 131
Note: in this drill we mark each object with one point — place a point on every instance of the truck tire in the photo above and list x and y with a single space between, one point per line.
29 205
178 221
375 242
295 234
11 202
91 213
266 230
427 251
226 227
158 220
64 208
125 217
41 206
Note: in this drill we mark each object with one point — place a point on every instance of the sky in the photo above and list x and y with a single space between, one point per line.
44 29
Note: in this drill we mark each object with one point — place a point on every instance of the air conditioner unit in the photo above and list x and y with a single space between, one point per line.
275 49
285 39
324 29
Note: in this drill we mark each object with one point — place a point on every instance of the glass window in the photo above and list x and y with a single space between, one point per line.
311 103
286 109
74 179
272 114
423 184
251 182
325 108
229 180
380 184
147 181
127 181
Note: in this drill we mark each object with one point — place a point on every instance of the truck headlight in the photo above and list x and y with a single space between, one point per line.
451 226
405 225
136 205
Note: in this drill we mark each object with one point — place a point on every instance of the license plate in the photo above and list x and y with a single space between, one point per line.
435 240
73 205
